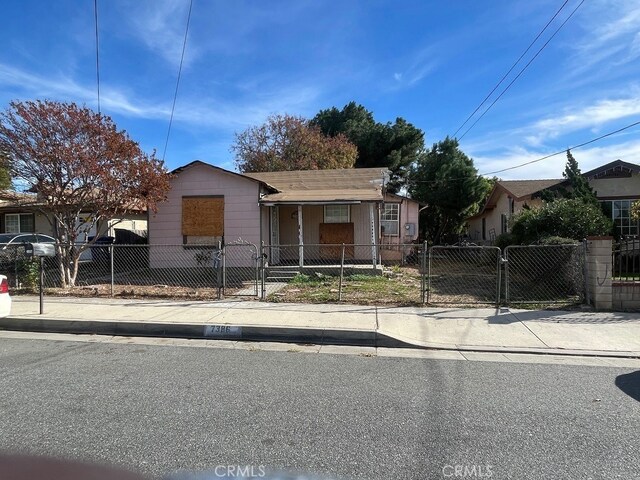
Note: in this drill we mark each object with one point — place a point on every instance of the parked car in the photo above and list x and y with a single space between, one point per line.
5 298
12 244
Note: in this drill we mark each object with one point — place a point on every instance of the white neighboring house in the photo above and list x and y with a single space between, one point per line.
615 184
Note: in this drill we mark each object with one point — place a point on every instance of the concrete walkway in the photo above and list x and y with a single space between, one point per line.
483 329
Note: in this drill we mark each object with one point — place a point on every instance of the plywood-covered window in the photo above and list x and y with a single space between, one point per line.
202 219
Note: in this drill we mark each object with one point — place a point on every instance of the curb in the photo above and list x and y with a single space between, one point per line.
252 333
201 331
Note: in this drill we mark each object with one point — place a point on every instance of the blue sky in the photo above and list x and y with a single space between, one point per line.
430 62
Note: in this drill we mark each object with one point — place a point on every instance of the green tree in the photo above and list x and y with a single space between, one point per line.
577 186
287 142
446 180
569 218
395 146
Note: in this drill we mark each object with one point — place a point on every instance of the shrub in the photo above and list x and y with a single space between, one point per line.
555 240
29 272
568 218
504 240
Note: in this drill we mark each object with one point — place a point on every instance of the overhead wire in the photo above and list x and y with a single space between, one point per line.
512 67
175 95
522 70
540 159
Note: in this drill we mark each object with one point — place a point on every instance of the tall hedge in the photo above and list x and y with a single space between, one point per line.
569 218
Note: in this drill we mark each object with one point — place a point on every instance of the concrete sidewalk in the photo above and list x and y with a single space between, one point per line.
482 329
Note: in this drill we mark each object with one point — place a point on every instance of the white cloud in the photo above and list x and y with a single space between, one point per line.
160 25
575 118
203 112
588 158
610 32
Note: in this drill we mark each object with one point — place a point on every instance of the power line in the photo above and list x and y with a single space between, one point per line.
512 67
95 12
523 69
563 151
559 152
175 95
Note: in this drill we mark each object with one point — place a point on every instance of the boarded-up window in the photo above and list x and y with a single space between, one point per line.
203 216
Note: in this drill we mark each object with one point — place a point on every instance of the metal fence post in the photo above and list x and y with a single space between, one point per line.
506 276
219 270
585 273
501 261
425 288
341 274
263 257
111 253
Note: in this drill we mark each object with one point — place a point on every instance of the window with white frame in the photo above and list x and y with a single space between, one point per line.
19 223
390 219
336 214
620 212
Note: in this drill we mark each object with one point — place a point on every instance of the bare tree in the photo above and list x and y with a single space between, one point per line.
287 142
77 161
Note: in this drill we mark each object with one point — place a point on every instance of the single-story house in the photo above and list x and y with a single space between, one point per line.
23 213
294 213
507 198
616 185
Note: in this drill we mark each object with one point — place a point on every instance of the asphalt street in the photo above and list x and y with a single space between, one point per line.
160 409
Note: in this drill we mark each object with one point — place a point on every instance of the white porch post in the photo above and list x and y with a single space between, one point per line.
300 237
372 219
274 239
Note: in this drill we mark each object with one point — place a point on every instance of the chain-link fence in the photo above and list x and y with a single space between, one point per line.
464 275
405 274
542 274
364 273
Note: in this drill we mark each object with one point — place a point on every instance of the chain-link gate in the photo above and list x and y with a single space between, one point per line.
240 269
545 274
464 275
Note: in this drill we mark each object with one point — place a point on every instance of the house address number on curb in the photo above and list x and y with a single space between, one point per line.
222 331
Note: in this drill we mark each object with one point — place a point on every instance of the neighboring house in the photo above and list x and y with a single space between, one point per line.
507 198
616 185
22 213
286 211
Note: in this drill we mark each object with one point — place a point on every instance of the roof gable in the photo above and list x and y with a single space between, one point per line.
194 163
615 169
523 188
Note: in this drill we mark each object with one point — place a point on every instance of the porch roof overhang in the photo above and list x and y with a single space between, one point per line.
322 197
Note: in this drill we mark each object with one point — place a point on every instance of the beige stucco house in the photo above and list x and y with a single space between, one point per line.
295 213
23 213
616 185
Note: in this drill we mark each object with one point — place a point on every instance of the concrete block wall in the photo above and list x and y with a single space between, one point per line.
626 295
599 272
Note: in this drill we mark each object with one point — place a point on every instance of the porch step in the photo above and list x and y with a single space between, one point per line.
281 275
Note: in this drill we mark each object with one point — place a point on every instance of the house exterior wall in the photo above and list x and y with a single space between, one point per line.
409 213
494 217
241 215
313 216
628 187
135 222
